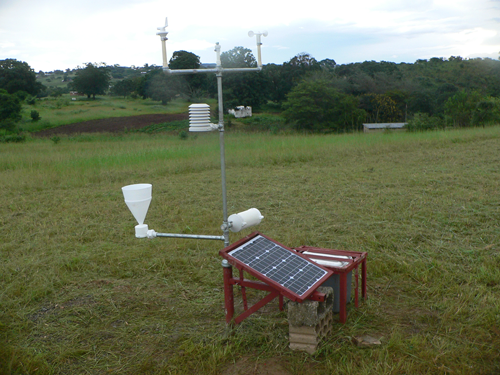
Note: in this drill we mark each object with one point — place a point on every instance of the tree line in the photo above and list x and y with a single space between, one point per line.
323 96
317 96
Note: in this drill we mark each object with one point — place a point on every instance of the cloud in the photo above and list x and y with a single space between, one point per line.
53 34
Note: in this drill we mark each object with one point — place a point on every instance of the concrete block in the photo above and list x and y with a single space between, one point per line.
309 313
310 321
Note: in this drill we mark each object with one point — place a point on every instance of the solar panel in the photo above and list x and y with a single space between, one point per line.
279 264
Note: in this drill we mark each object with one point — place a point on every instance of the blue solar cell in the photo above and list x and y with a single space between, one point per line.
279 264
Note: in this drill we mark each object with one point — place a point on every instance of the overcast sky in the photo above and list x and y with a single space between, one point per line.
60 34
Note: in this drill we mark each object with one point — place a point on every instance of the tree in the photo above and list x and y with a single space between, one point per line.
184 60
190 84
124 87
159 86
248 89
18 76
92 80
470 108
238 57
315 105
282 78
10 110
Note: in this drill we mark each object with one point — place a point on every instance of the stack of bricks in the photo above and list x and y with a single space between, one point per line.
310 321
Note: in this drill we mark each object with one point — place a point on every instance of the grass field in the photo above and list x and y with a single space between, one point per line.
63 110
79 294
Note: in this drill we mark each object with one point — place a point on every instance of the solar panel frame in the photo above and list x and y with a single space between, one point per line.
301 281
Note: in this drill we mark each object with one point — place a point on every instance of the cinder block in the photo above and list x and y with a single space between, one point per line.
309 313
310 321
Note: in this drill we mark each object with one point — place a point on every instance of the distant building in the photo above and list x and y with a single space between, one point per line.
398 126
241 111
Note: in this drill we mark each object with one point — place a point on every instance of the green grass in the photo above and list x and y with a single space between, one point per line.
62 111
80 294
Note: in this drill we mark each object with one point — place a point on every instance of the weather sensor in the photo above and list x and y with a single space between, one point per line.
138 197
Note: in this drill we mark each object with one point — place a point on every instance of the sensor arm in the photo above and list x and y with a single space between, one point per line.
152 234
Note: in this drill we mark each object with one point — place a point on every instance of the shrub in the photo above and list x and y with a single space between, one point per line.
13 138
35 116
422 122
31 100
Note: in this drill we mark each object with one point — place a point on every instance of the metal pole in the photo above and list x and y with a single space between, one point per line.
228 291
193 236
225 224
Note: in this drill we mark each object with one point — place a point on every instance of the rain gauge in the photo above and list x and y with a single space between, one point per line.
138 196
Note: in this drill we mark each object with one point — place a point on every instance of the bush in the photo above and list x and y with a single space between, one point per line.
263 122
8 125
13 138
423 122
35 116
31 100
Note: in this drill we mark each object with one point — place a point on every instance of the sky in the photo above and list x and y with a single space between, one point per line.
61 34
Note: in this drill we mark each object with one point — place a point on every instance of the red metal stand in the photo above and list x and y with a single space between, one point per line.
349 261
354 259
229 281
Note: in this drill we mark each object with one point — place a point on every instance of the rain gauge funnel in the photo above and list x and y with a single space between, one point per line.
138 197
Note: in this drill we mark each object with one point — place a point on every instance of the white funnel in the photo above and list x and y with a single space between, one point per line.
245 219
138 197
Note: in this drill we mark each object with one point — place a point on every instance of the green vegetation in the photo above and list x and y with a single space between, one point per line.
92 80
80 294
64 110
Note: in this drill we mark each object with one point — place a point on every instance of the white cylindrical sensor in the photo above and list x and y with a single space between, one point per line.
141 231
245 219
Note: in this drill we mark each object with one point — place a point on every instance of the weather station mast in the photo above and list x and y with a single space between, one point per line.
138 196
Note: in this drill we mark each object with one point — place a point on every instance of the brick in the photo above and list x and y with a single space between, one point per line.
309 348
309 313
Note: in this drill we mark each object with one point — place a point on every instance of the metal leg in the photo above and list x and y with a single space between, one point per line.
228 292
343 298
363 278
356 276
256 307
243 293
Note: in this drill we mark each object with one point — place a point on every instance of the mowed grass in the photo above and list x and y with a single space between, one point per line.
80 294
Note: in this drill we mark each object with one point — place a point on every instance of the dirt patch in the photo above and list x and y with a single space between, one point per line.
111 125
247 366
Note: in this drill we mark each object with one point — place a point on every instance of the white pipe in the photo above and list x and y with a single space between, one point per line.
216 70
152 234
164 52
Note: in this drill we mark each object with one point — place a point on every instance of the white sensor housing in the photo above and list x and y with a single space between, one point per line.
244 219
199 118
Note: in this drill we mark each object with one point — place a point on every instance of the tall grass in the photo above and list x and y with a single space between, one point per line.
79 294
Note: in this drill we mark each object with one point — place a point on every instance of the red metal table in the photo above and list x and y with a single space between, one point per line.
263 283
351 260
